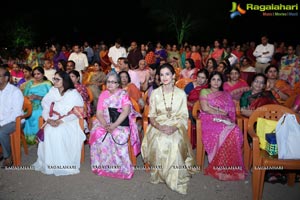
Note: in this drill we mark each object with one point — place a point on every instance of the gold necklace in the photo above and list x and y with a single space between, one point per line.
168 109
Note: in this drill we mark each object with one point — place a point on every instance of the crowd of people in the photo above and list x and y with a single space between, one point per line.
60 83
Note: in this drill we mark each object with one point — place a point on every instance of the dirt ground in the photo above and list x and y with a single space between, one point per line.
32 185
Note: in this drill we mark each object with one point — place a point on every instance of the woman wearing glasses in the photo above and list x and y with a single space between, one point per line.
35 90
60 151
111 131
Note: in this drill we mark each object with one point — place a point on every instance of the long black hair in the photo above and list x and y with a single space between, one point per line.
67 81
212 75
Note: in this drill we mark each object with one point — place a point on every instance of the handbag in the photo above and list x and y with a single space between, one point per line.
114 115
288 137
40 133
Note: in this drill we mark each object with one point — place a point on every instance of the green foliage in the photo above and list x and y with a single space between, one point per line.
182 26
15 35
21 36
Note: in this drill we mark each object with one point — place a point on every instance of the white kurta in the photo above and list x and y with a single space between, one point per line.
60 152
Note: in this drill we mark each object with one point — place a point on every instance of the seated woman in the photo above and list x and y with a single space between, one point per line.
35 90
155 84
192 90
280 89
95 80
27 77
211 65
221 136
256 96
131 89
60 152
166 146
189 71
245 65
75 77
143 74
108 138
235 86
223 69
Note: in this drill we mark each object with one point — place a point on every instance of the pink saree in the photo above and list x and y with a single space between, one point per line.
222 142
107 157
237 89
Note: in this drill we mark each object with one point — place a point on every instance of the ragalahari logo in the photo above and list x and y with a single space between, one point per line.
236 10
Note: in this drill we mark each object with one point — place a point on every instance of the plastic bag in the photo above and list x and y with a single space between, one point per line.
288 137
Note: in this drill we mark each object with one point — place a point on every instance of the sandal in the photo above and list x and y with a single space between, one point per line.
297 178
273 178
7 163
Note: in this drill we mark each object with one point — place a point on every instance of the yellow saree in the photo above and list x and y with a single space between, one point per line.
170 156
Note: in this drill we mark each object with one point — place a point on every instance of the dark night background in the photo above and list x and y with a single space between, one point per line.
97 21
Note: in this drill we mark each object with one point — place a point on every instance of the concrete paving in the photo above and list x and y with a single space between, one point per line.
26 184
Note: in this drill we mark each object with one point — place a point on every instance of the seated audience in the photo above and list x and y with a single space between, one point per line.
222 138
11 103
60 151
256 96
111 131
235 86
166 144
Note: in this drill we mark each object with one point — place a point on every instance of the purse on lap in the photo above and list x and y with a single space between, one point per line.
114 115
40 134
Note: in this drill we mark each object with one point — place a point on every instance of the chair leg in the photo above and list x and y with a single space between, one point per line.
189 131
200 153
15 148
24 143
255 184
291 179
247 158
261 183
131 153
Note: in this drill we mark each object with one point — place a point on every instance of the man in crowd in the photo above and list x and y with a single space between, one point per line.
11 103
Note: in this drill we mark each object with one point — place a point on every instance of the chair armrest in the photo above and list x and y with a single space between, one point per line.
255 148
189 131
41 121
145 125
18 126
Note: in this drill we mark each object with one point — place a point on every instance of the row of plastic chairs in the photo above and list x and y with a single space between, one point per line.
253 155
259 159
17 138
